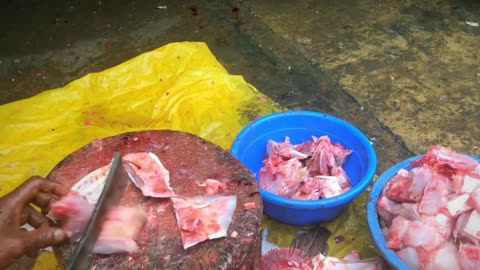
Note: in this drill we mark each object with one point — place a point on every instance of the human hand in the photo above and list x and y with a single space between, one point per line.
16 210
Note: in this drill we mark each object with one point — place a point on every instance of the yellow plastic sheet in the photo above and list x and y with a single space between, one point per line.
180 86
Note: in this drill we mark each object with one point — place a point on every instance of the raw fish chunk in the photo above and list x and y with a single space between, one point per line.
458 205
385 210
422 235
148 174
398 231
419 182
74 211
444 258
397 189
410 257
447 161
435 195
459 231
472 226
202 218
407 210
465 183
119 230
469 257
475 199
442 224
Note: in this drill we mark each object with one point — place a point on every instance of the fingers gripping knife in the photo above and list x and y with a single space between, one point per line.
115 184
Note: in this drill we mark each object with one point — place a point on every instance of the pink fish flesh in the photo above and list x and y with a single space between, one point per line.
148 174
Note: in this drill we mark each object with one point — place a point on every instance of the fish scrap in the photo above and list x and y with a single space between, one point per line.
308 171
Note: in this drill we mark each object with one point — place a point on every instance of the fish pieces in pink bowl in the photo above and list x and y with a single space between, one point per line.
424 212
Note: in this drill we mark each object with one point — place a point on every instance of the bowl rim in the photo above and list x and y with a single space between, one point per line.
339 200
372 216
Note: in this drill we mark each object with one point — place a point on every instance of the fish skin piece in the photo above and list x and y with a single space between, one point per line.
91 185
119 229
148 174
74 211
444 258
469 256
285 150
202 218
410 257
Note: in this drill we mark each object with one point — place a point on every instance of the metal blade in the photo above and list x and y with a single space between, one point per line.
115 184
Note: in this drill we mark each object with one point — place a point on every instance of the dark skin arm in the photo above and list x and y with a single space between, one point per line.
16 210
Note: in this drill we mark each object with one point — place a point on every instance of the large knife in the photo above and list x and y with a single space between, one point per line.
115 184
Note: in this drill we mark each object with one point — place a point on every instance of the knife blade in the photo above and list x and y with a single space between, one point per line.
115 184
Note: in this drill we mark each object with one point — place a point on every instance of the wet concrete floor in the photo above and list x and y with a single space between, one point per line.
405 72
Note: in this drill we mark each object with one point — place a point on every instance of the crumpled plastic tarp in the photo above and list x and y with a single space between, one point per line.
180 86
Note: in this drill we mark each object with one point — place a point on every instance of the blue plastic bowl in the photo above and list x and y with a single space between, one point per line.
372 216
249 148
